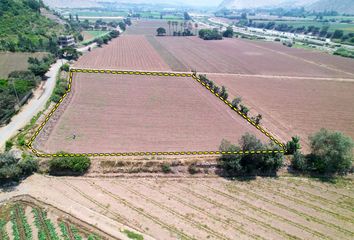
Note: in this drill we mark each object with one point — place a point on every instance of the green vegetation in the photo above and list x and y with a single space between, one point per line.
3 234
331 154
166 167
344 53
229 33
208 34
75 232
67 165
249 164
294 145
24 29
95 35
12 169
64 231
44 225
161 31
18 215
133 235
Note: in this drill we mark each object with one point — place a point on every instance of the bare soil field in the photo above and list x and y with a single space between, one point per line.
244 57
295 106
128 113
146 27
124 53
203 208
15 62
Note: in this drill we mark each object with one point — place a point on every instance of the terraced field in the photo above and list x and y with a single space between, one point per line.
209 208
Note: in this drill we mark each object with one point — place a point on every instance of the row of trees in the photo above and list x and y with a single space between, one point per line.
222 92
105 39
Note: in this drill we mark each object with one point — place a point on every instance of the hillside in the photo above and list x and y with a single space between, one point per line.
341 6
24 29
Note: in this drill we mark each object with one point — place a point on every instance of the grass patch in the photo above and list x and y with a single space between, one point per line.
133 235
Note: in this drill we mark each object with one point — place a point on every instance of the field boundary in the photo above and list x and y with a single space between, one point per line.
161 74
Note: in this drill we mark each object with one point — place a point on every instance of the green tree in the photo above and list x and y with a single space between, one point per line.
236 102
69 165
331 152
244 109
231 163
293 145
223 93
229 33
338 34
161 31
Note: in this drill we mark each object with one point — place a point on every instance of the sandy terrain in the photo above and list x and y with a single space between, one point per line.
201 208
129 113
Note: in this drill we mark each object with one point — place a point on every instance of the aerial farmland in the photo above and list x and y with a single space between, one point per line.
171 127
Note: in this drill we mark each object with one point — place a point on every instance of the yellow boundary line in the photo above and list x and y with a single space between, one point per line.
149 73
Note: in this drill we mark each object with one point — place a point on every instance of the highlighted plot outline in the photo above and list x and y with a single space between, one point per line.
161 74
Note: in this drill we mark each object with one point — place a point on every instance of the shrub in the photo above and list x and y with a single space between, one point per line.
299 161
8 145
28 165
293 145
192 169
11 169
166 167
223 93
250 164
331 153
244 109
236 102
21 140
69 165
65 67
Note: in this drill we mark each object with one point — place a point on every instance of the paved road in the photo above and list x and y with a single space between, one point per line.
31 109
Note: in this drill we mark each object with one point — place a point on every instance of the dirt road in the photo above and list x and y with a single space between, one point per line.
35 105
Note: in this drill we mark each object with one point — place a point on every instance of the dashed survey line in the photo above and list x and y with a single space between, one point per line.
159 74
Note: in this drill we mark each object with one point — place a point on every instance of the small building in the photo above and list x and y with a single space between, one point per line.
66 41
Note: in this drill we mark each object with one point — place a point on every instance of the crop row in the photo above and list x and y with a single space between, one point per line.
20 227
46 229
64 231
3 233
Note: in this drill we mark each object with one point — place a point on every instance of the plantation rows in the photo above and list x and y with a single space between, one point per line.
18 224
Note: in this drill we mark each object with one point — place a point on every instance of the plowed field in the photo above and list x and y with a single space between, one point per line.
205 208
130 113
293 106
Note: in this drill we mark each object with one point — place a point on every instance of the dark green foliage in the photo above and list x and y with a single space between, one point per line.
331 153
21 141
235 103
186 16
293 145
23 28
344 53
122 26
69 165
223 93
114 34
69 53
166 167
208 34
40 67
80 38
127 21
244 109
8 145
250 164
229 33
161 31
99 42
11 169
65 67
299 161
338 34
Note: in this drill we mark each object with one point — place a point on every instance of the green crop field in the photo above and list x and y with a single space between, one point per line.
90 35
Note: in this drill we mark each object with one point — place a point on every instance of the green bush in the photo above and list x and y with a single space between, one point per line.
250 164
133 235
11 169
21 141
294 145
299 161
65 67
331 153
8 145
166 168
69 165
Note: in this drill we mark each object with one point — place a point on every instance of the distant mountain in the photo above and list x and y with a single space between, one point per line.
341 6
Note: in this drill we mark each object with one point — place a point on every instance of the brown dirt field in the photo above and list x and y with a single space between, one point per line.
130 113
124 53
295 106
146 27
15 62
200 208
87 35
332 61
244 57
